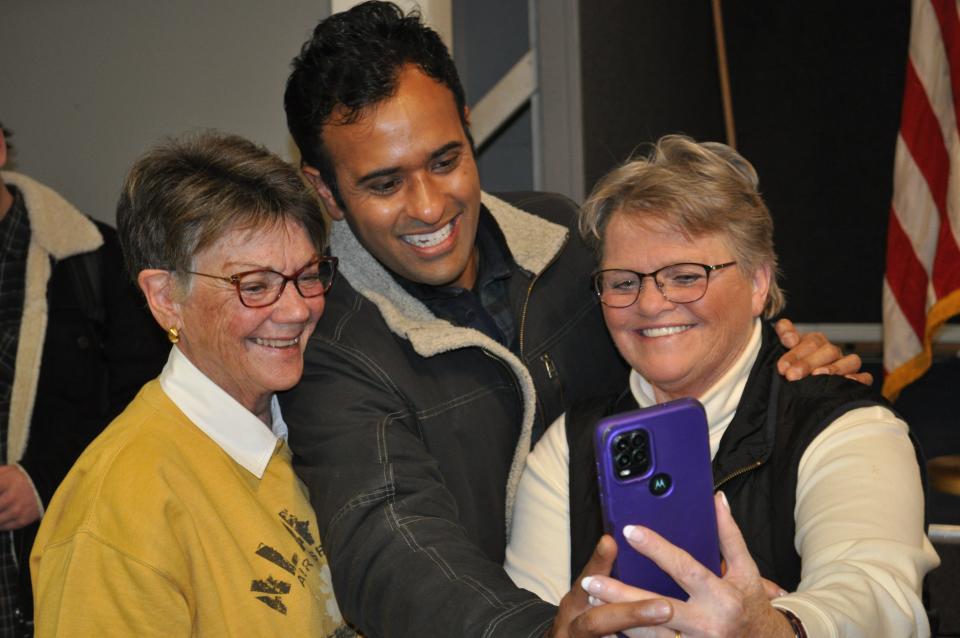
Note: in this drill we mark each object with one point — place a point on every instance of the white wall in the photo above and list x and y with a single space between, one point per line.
437 13
89 86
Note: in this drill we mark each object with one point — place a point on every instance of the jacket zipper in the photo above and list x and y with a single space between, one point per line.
548 364
533 282
735 474
523 322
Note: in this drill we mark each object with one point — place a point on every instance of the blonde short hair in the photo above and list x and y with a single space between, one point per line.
698 189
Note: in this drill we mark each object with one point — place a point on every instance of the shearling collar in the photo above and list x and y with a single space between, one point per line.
532 240
59 230
55 225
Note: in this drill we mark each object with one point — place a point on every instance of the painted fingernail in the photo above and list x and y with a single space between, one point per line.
591 585
634 533
723 499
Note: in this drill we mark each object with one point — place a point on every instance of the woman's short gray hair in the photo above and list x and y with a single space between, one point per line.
698 189
186 193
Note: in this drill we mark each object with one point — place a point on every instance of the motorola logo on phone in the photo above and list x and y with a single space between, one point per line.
660 484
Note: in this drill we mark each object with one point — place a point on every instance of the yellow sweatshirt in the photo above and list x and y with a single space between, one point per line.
156 531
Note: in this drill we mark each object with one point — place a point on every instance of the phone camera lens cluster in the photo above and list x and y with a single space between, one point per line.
631 453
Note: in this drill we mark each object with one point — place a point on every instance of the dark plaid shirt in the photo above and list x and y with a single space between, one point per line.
14 241
487 307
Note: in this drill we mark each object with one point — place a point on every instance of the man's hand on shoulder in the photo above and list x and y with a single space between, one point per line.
18 501
812 354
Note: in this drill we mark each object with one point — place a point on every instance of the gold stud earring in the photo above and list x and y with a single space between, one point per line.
173 335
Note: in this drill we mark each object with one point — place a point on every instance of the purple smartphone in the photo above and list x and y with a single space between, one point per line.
654 470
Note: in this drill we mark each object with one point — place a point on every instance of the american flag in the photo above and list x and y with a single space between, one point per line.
921 288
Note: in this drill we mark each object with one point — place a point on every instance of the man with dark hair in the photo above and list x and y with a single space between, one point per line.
76 343
462 326
376 40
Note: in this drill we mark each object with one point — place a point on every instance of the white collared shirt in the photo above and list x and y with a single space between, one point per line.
244 437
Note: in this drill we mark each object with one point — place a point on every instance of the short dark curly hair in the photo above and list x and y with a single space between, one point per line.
352 61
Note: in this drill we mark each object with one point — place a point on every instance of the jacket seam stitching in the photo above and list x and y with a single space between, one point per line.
366 361
513 610
461 400
347 316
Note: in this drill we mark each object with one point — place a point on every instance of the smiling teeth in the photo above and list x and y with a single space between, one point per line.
663 332
277 343
429 239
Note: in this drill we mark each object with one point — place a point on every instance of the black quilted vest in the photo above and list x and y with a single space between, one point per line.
755 465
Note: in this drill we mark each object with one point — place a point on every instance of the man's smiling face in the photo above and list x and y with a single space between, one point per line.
409 182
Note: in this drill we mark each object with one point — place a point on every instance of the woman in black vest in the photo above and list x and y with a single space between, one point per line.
821 490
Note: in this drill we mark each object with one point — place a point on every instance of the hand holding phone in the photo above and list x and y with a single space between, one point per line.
653 466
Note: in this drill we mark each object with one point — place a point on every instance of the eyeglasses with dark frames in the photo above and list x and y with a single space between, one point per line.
678 283
259 288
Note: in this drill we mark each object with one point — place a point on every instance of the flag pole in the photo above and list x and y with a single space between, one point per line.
724 75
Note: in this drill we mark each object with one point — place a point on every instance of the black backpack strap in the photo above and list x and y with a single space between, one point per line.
85 277
85 273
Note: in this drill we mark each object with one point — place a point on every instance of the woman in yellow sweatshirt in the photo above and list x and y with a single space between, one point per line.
184 518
